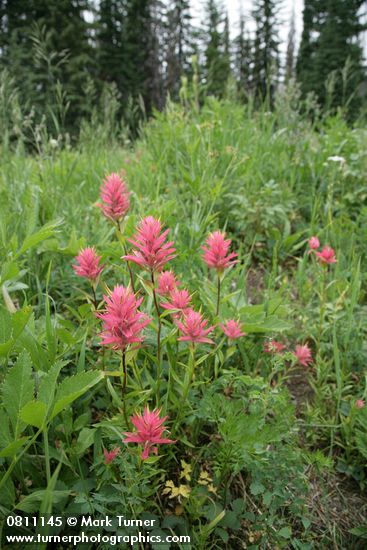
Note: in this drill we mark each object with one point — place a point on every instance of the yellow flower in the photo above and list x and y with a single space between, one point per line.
176 492
212 489
169 486
204 478
186 471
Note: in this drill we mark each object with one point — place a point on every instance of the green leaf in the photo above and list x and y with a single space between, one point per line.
19 321
38 355
11 327
360 531
257 488
5 332
81 360
31 503
267 498
50 496
5 437
238 506
9 270
361 440
73 387
207 529
51 337
11 449
85 440
8 494
34 413
230 521
17 390
44 233
222 534
269 324
285 532
48 383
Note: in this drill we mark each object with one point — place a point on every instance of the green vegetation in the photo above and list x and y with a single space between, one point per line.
68 59
269 453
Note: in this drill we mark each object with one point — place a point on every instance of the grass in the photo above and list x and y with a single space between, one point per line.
268 180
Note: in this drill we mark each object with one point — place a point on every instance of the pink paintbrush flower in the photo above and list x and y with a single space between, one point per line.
216 251
115 197
232 329
167 282
303 355
272 346
151 252
149 431
109 456
313 243
87 264
360 404
326 256
122 321
193 328
179 299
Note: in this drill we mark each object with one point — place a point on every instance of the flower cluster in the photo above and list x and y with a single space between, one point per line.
151 251
232 329
115 198
122 321
216 253
88 264
179 300
272 346
167 283
149 431
303 353
194 328
326 255
109 456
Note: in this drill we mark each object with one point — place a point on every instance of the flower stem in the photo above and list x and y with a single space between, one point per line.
158 340
47 455
124 382
95 304
188 380
218 295
322 307
119 232
130 271
17 458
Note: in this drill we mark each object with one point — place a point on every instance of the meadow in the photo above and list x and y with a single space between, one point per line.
237 417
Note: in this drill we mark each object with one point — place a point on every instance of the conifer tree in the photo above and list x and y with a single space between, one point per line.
45 44
217 63
111 48
329 43
266 48
178 44
290 55
142 43
242 59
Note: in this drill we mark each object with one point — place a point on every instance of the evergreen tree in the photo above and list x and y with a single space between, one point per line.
143 33
217 62
178 44
266 48
111 48
290 56
329 43
242 59
307 47
45 44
